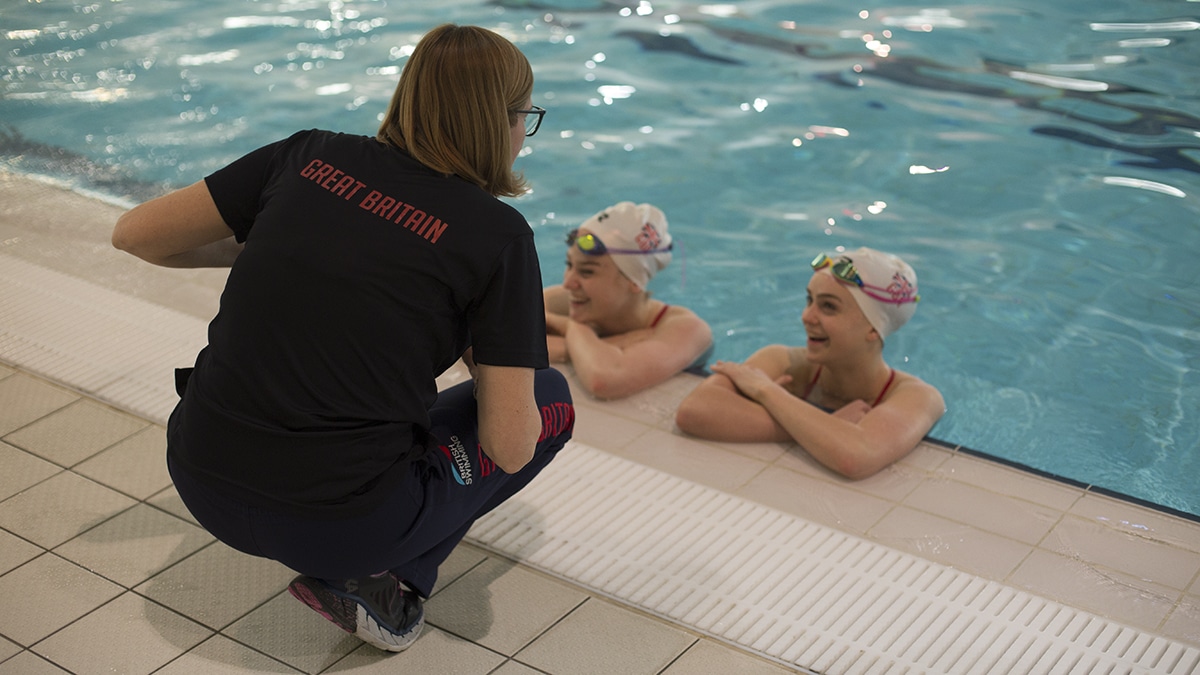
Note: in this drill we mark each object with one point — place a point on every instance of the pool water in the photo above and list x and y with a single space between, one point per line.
1037 162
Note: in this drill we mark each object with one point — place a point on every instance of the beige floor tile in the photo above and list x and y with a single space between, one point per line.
501 606
892 483
927 456
434 652
136 466
1000 514
601 429
763 452
287 630
455 374
710 658
1007 480
168 500
670 394
28 663
795 458
15 551
1123 549
219 654
217 585
8 649
515 668
603 638
463 559
28 399
697 462
816 500
1110 594
1184 621
47 593
76 432
21 470
653 407
128 635
950 543
1140 521
135 545
60 508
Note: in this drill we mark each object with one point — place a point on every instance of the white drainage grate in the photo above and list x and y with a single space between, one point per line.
117 348
794 591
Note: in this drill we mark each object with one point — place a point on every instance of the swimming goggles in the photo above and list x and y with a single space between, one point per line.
589 244
843 270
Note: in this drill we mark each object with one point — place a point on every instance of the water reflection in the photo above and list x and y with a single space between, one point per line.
1046 93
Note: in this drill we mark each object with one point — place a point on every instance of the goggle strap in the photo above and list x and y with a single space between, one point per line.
845 272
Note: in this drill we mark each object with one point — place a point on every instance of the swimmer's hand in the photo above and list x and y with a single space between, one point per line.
853 411
750 381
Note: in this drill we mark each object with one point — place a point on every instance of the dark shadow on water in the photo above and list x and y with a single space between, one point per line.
22 155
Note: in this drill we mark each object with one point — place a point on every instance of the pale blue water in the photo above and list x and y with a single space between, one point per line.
1037 162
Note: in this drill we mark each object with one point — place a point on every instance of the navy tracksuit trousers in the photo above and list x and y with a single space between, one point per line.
419 524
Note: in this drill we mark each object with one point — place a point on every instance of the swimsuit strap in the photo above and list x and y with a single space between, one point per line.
891 378
886 386
811 384
659 315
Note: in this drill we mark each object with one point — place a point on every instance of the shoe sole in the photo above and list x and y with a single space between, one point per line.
344 611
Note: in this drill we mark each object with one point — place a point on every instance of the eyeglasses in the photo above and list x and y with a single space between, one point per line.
591 245
532 123
843 270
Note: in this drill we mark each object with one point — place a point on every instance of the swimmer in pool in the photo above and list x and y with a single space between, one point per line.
835 396
602 320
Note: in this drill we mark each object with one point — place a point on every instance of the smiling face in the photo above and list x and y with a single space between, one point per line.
835 324
599 294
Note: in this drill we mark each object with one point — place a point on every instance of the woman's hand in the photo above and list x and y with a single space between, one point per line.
750 381
853 411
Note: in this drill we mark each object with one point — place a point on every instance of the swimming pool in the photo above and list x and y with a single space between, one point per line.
1039 166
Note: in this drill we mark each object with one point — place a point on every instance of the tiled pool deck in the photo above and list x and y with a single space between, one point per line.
101 568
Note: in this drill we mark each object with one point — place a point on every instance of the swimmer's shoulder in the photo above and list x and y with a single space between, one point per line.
680 318
913 385
673 312
779 359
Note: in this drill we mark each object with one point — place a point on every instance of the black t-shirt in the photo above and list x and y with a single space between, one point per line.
364 276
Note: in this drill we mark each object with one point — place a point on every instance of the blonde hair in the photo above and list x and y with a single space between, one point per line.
454 106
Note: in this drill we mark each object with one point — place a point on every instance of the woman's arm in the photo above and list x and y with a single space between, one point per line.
555 299
613 368
858 440
179 229
716 410
509 423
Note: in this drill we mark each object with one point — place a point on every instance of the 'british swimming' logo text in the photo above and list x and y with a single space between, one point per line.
460 462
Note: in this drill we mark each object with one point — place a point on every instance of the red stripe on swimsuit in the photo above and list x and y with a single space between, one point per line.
888 385
659 315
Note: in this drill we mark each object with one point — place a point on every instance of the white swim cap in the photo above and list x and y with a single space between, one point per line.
640 230
884 286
